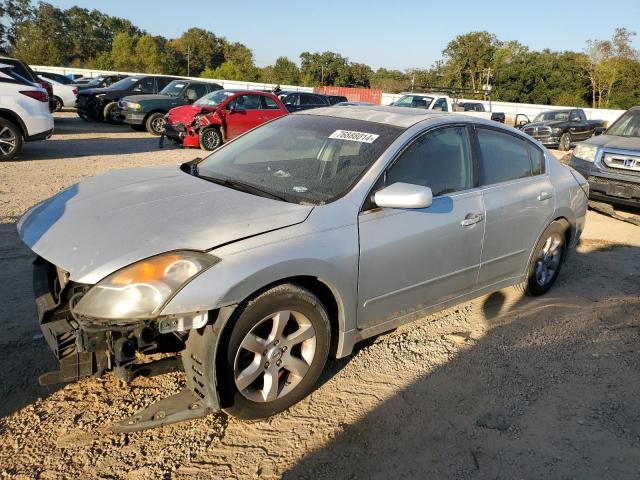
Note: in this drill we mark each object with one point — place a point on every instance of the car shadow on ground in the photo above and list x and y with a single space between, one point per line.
550 391
72 124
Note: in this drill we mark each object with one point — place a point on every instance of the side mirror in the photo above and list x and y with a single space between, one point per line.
404 195
522 123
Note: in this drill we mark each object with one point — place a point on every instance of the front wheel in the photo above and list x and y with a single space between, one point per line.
547 260
109 114
565 142
155 123
210 138
10 140
58 104
275 352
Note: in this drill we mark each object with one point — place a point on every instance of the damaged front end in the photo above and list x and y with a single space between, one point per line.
187 131
86 346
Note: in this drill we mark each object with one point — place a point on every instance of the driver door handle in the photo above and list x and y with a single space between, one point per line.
545 196
471 219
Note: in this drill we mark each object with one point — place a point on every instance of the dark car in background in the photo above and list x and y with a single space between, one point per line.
297 101
101 81
611 162
561 128
333 99
147 112
101 103
25 71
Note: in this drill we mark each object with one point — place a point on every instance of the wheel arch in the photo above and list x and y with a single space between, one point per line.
13 117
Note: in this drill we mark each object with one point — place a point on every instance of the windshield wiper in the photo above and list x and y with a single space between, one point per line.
242 186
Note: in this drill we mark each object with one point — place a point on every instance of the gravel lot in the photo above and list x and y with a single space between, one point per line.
502 387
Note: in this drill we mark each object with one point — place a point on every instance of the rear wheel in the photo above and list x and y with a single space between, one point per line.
10 139
58 104
210 138
565 142
155 123
275 352
547 260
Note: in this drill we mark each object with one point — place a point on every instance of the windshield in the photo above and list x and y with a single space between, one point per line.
174 88
214 99
301 158
628 125
414 101
552 116
96 81
124 83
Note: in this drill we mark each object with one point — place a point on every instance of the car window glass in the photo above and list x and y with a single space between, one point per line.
310 100
440 160
145 86
196 91
441 105
537 160
163 82
574 117
247 102
504 157
270 104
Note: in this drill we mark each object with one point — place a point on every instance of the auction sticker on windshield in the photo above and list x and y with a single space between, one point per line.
354 136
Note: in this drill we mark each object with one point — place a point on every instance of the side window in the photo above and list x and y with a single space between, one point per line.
441 105
146 85
537 160
163 82
504 157
575 116
310 100
195 91
269 104
440 160
247 102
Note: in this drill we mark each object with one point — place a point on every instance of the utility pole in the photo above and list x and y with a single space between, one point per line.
322 74
188 60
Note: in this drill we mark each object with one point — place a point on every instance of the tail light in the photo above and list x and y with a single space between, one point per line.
75 91
37 94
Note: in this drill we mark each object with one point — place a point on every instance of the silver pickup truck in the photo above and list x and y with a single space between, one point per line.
611 162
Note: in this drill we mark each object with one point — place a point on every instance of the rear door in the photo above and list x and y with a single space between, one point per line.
270 109
518 199
145 85
580 128
245 115
411 259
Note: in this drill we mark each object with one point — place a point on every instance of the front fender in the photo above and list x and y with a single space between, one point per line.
249 265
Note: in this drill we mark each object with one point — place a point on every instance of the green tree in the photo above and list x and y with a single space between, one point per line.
326 68
227 71
148 54
33 47
469 56
123 52
201 49
285 71
15 13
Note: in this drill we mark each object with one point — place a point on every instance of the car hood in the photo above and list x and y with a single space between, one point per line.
614 141
148 97
185 113
546 123
110 221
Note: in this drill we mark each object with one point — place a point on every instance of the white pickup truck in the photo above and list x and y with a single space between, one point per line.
441 102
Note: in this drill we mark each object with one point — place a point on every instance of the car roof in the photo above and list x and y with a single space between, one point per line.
403 117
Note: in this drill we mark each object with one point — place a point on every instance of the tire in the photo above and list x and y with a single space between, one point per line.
155 123
59 104
10 140
544 268
252 352
565 142
138 128
210 138
107 113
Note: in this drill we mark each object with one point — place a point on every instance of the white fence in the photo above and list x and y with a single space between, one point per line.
509 109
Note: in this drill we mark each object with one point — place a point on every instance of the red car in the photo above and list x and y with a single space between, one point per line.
221 116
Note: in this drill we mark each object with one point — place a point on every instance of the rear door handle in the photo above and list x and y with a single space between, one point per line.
545 196
471 219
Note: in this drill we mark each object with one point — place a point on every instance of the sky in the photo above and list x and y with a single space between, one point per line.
394 34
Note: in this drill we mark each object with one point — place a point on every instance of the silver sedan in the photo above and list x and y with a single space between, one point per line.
289 245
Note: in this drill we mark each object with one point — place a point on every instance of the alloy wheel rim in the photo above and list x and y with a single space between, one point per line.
157 124
274 356
7 141
549 259
210 140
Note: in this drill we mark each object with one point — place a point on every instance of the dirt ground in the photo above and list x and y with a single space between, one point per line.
502 387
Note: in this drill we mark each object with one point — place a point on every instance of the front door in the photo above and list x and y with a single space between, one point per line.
416 258
244 115
519 203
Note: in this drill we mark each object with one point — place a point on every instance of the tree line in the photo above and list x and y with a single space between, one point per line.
605 74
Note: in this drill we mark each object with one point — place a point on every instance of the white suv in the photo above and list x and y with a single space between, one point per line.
24 112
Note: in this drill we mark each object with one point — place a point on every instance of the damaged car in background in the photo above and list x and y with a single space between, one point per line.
221 116
289 245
